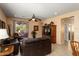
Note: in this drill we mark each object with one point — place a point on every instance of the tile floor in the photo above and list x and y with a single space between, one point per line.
60 50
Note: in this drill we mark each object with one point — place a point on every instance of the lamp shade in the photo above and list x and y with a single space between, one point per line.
3 34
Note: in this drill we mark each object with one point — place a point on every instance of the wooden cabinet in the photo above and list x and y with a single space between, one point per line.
53 33
50 31
46 30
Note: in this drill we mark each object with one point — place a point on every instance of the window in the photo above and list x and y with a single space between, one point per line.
21 28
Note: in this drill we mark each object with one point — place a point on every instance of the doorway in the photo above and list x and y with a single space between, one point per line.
67 25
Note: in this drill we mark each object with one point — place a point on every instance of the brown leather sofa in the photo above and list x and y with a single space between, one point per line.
35 47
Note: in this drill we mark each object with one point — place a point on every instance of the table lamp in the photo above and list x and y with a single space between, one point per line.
3 36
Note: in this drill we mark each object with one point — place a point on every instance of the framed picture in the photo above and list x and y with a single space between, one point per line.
36 28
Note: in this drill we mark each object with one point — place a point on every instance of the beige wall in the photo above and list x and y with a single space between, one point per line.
2 16
10 24
31 27
57 21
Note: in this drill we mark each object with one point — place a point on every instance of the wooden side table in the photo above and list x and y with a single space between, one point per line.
7 51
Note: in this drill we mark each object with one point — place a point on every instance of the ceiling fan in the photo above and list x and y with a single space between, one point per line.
34 18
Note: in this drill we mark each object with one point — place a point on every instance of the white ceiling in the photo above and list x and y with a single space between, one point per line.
41 10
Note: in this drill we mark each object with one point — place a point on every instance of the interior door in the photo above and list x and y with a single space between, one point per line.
53 33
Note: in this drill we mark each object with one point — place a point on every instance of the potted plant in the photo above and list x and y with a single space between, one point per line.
34 34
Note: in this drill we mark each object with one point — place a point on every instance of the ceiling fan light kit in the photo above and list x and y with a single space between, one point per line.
34 18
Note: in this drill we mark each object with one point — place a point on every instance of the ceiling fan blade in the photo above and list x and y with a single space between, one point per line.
36 20
30 19
39 19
